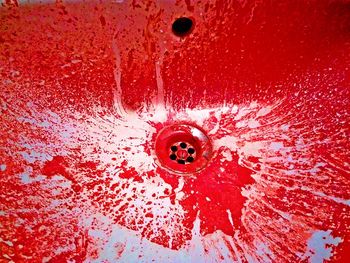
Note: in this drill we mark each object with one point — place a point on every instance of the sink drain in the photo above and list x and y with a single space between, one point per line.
183 153
183 148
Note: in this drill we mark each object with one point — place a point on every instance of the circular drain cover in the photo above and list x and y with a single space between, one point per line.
183 148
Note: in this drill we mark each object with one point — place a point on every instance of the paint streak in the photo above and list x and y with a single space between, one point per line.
86 88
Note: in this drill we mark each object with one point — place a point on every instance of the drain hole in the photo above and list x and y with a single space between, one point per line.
173 157
173 148
183 145
182 26
190 151
181 161
190 159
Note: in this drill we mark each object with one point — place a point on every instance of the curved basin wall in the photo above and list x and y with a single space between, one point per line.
86 88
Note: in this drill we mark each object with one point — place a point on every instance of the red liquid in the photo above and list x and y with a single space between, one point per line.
85 89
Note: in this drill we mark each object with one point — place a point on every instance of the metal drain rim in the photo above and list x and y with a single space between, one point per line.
174 135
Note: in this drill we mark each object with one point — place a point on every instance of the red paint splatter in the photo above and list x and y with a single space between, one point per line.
62 59
57 166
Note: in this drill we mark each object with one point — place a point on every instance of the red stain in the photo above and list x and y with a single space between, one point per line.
11 3
57 166
119 248
61 59
129 173
103 20
213 193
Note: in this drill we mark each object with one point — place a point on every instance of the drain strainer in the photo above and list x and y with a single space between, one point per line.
183 148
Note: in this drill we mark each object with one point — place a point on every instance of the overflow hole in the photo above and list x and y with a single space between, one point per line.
182 26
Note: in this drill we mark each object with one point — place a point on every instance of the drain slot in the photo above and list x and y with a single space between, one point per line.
184 154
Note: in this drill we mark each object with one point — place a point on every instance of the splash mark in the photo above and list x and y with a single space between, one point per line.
81 174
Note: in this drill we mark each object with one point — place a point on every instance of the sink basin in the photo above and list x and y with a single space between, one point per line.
175 131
